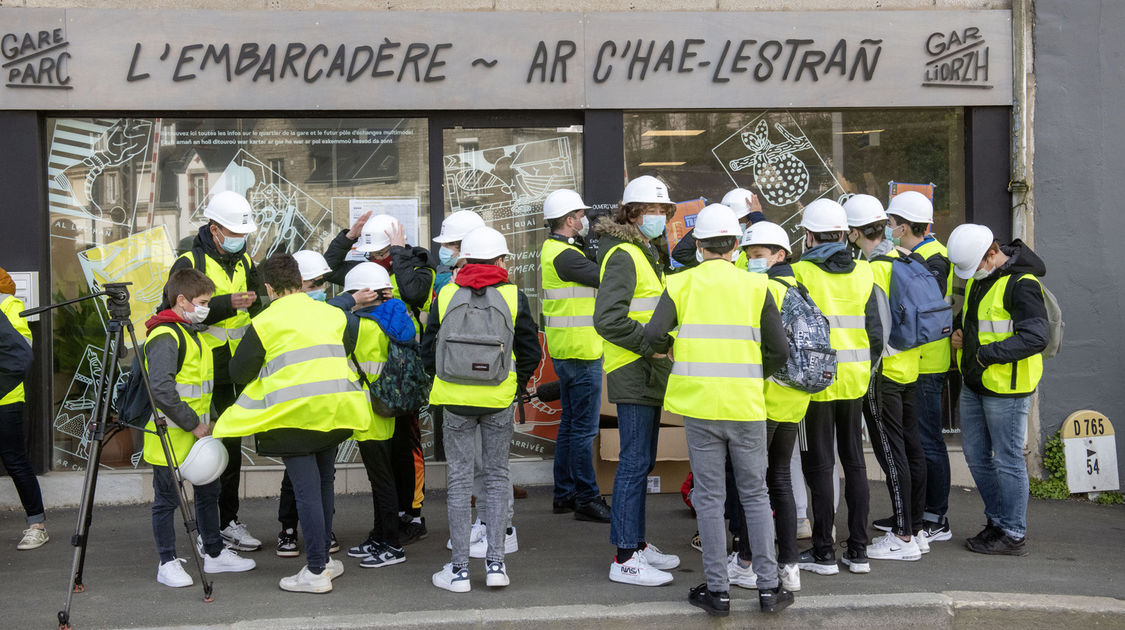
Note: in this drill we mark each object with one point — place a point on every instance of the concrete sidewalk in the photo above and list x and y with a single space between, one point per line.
1074 577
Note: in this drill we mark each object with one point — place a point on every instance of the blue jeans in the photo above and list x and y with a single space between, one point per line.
993 430
166 501
580 384
639 429
927 409
313 478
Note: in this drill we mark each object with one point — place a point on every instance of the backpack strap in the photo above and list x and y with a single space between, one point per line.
199 260
1012 281
181 350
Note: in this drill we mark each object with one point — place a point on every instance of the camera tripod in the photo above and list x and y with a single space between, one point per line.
102 427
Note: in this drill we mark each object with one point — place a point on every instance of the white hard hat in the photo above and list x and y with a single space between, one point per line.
824 215
562 202
231 210
766 233
864 210
457 225
374 237
311 264
205 462
367 275
912 206
967 246
716 220
739 200
645 189
483 243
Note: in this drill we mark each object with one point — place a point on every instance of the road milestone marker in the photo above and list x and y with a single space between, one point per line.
1091 453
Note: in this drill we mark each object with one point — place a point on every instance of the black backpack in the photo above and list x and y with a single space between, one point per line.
131 401
403 387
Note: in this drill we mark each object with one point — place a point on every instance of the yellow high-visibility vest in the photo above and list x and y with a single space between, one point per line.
568 310
486 396
994 323
936 354
900 366
371 350
11 306
195 381
649 288
230 330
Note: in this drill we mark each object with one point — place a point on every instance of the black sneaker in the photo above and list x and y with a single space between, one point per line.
936 532
564 506
856 560
810 560
412 531
989 533
287 544
334 546
884 524
774 600
716 604
596 511
383 556
364 549
697 543
1005 545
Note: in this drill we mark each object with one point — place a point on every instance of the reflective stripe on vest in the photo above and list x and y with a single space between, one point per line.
900 366
935 357
717 369
485 396
994 324
843 296
371 349
231 330
568 309
11 306
646 294
784 403
194 385
304 383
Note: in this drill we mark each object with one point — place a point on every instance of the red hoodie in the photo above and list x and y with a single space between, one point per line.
164 317
477 276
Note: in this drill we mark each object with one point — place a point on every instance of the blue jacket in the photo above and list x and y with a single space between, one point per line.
393 316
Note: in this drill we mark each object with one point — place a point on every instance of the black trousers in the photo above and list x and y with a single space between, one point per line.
893 429
287 504
223 397
781 437
823 421
377 459
408 465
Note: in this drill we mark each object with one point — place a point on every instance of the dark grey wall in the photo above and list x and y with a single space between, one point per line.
1079 222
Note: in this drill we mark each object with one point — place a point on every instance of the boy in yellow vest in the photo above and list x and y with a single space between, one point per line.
182 391
730 339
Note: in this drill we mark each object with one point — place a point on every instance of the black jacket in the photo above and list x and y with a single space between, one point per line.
684 252
842 262
572 266
412 267
15 357
643 381
1023 299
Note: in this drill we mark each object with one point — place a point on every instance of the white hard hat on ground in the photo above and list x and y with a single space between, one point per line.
457 225
311 264
562 202
374 236
645 189
824 215
483 243
766 233
912 206
205 462
967 246
716 220
739 200
231 210
367 275
863 210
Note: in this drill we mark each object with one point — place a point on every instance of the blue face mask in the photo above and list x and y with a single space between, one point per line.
888 233
757 265
319 295
447 256
234 244
653 225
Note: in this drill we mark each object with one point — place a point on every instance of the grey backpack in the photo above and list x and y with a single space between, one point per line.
474 344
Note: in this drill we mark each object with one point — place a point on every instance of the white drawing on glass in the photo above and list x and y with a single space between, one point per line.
508 181
778 174
73 418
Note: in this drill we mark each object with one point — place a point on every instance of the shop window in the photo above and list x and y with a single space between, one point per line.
108 226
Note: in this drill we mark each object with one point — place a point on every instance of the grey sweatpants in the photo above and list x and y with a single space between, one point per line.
496 438
709 442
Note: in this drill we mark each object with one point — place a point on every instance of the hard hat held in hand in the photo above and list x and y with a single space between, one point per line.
367 275
457 225
739 200
716 220
483 243
645 189
311 264
912 206
375 234
766 233
562 202
864 210
824 215
205 462
231 210
967 246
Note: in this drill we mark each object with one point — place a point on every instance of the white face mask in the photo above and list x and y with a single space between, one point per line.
981 274
734 255
198 315
585 227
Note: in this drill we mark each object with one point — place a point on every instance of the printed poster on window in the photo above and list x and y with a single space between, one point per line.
405 210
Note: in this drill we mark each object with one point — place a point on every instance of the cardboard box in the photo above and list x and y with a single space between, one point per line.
672 466
610 409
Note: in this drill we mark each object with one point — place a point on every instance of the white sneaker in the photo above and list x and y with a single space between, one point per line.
237 537
636 570
923 544
453 582
479 548
497 574
891 547
740 575
790 576
33 538
334 568
476 534
658 560
227 562
172 574
307 582
804 528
